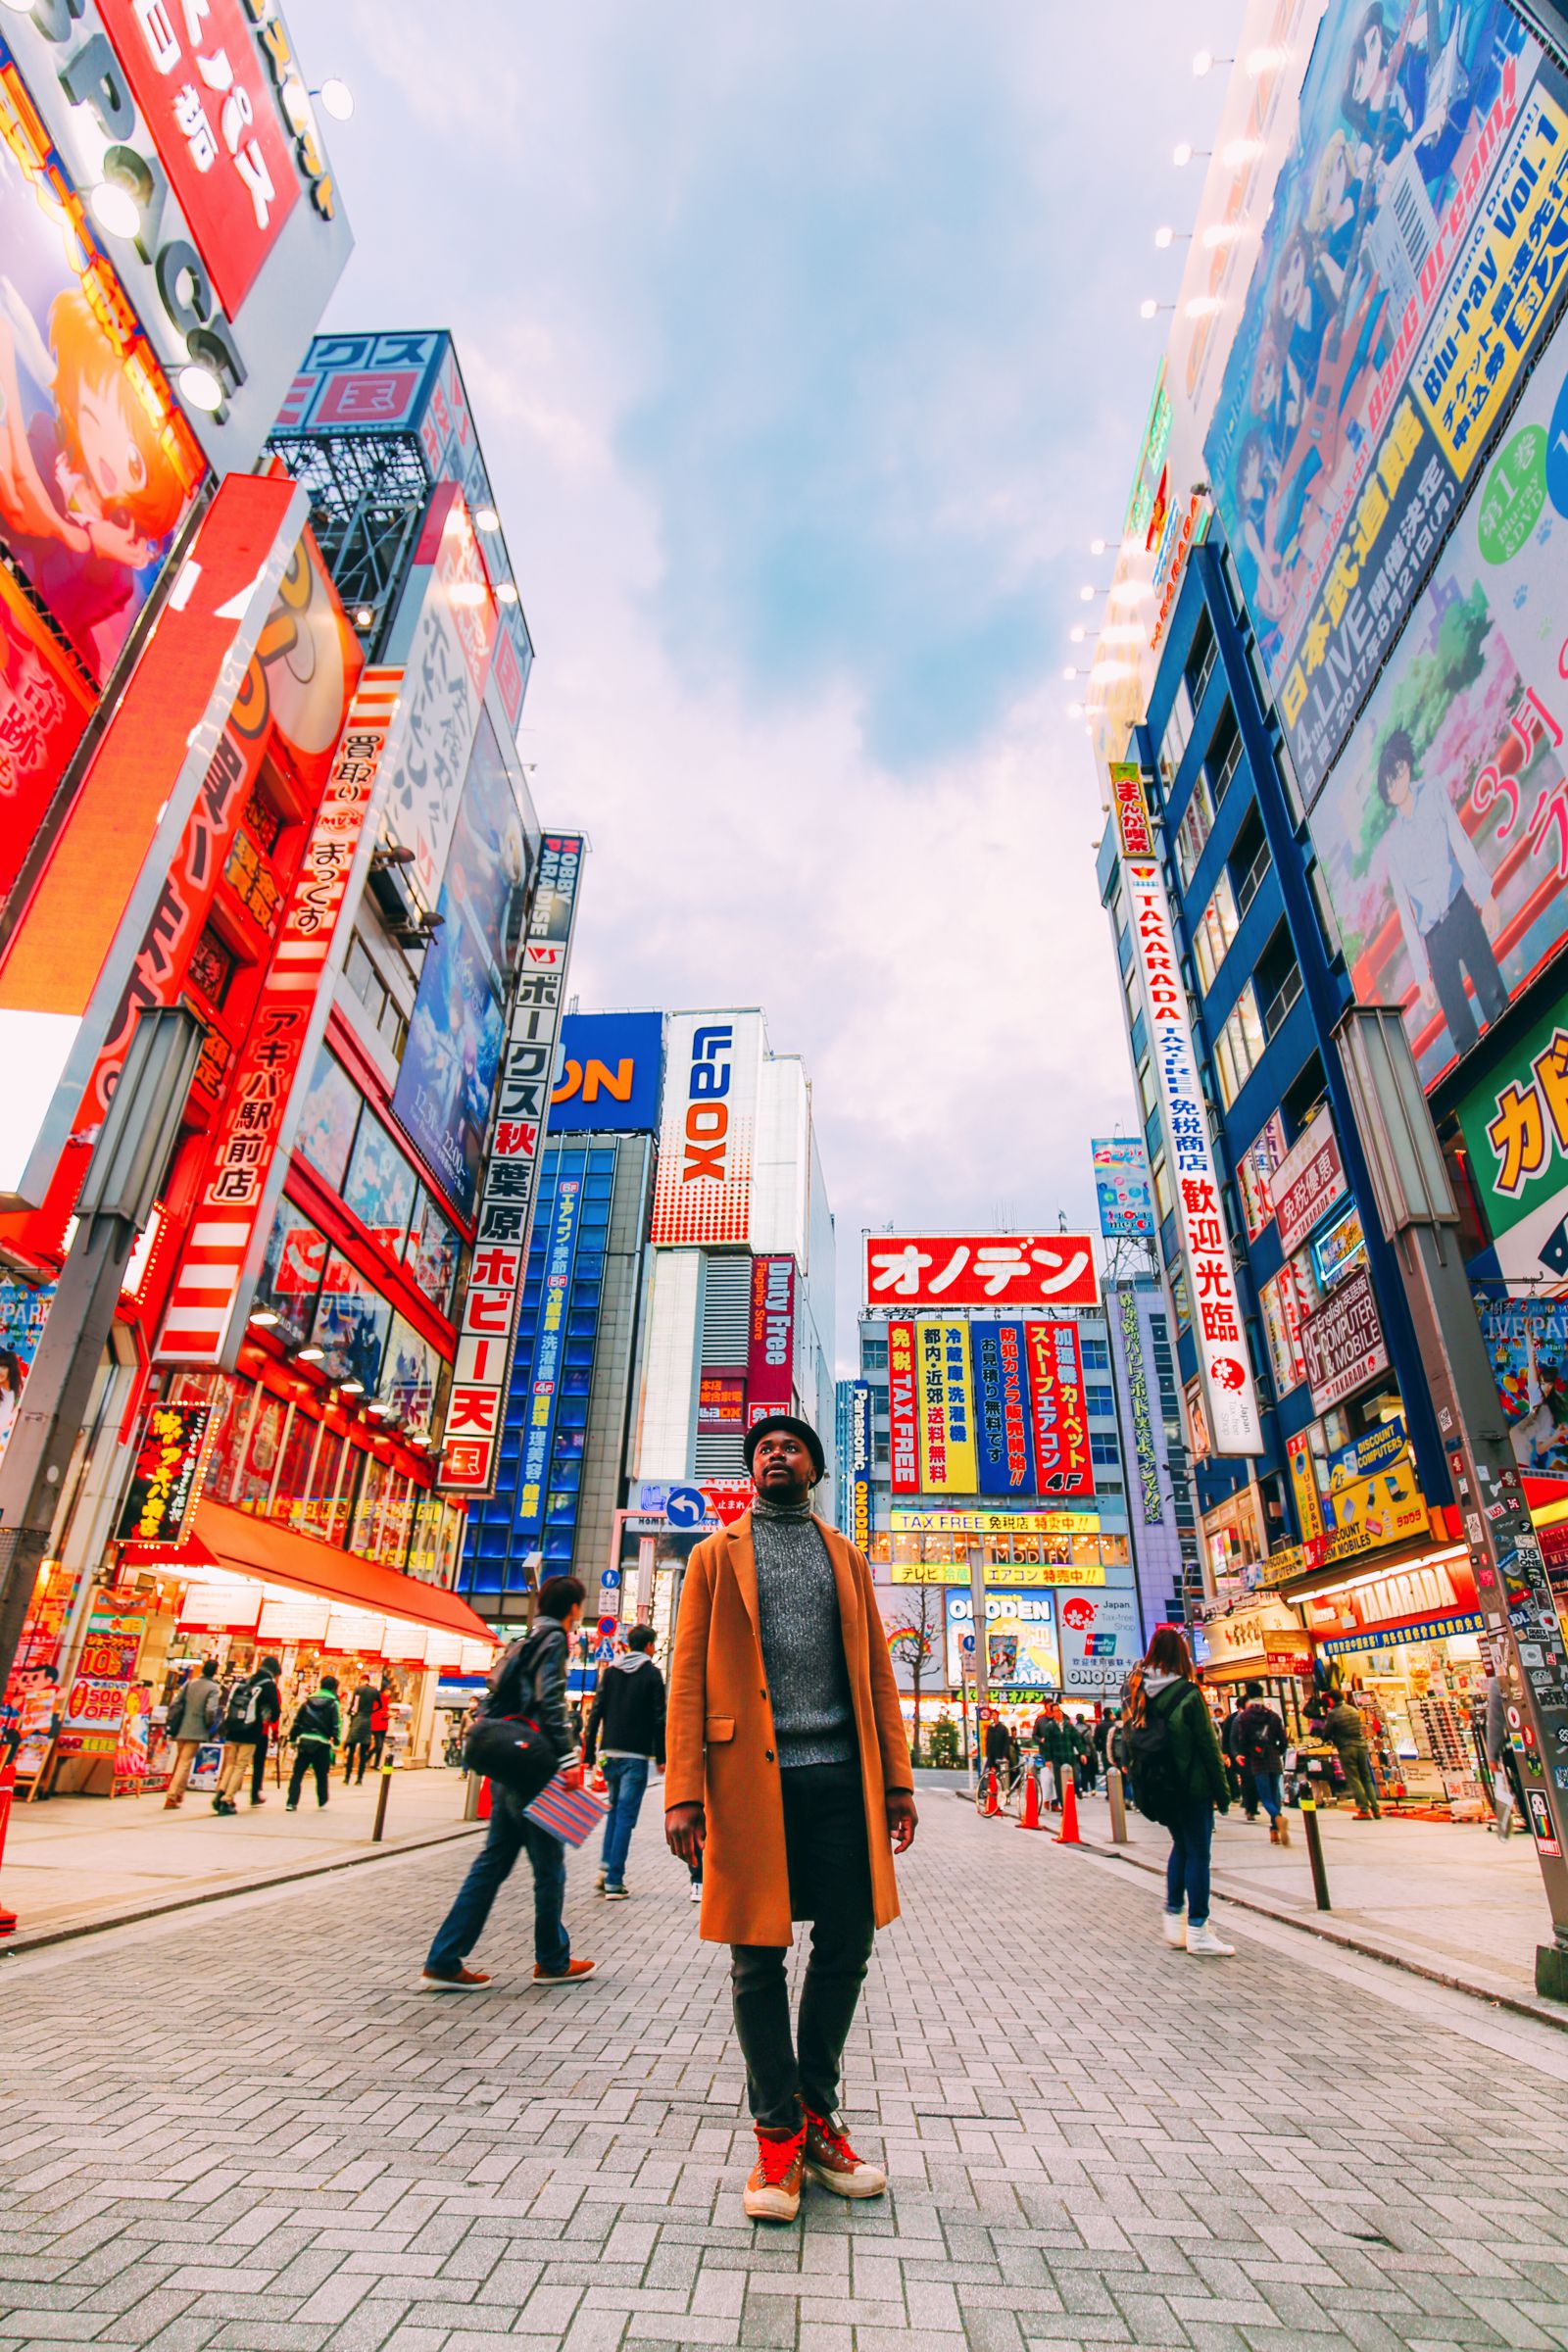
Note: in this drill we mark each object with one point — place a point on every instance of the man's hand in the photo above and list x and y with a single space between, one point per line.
902 1819
686 1834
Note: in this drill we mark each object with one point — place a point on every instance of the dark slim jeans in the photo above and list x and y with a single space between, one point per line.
1186 1871
359 1749
831 1884
259 1770
1456 943
512 1833
626 1779
311 1755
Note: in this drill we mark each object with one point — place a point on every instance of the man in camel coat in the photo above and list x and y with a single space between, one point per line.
788 1776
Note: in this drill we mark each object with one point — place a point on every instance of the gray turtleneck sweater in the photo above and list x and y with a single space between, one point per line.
803 1638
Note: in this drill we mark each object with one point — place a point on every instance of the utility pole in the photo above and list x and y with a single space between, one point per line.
123 1175
1417 1208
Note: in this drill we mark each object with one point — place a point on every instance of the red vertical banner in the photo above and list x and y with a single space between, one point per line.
770 1342
902 1413
1063 1465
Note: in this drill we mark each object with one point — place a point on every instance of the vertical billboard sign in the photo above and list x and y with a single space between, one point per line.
1145 1450
1064 1464
549 1351
948 1463
1516 1133
1229 1398
903 1410
1443 833
1121 1186
703 1188
443 635
1413 258
1004 1439
228 1227
447 1075
770 1339
487 1319
861 1467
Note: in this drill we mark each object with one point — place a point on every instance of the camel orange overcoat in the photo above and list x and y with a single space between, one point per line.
719 1743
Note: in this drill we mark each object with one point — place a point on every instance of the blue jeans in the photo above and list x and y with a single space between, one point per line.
512 1833
1186 1871
628 1778
1267 1785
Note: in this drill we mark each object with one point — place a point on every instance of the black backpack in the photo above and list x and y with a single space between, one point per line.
510 1748
1158 1785
244 1710
315 1720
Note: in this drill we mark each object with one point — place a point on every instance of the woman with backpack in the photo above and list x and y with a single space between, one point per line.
1181 1781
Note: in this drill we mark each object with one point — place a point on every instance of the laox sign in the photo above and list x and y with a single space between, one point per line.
707 1114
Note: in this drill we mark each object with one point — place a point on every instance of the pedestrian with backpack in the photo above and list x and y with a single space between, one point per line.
317 1729
361 1731
626 1729
528 1689
1261 1744
1180 1780
191 1717
254 1706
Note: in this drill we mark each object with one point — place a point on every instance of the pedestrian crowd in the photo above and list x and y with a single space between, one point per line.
246 1715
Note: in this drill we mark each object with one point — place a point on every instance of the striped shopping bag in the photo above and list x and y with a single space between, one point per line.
568 1813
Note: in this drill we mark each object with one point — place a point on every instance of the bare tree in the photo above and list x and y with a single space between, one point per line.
917 1640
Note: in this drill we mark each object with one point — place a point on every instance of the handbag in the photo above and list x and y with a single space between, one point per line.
512 1751
568 1813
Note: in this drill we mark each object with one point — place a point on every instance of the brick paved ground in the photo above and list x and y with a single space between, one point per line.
244 2128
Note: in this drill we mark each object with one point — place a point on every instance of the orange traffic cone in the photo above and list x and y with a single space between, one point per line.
992 1806
1031 1803
1067 1835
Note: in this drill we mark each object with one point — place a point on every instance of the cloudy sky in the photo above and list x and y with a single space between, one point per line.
804 348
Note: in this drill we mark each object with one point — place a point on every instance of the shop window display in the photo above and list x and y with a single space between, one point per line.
289 1487
381 1185
318 1513
258 1465
291 1272
409 1372
328 1118
432 1251
351 1326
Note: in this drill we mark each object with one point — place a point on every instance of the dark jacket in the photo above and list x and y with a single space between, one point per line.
1258 1745
360 1732
268 1708
1198 1766
1054 1740
532 1680
627 1716
320 1719
1346 1726
1230 1733
193 1709
998 1744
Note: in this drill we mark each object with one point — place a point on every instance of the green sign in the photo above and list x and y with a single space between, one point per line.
1516 1124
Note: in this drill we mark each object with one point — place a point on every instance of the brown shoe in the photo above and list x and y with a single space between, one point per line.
832 2163
464 1980
773 2183
573 1971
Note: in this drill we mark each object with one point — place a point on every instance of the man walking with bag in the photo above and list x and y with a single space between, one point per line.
626 1727
530 1685
788 1777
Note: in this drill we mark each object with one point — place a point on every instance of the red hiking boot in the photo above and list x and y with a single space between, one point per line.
773 2183
832 2163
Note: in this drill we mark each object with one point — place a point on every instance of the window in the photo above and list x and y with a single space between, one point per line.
1165 1201
1148 1092
1281 1303
1095 1355
1198 822
1199 666
1099 1399
1224 755
327 1121
432 1253
873 1355
212 967
1248 863
291 1273
1178 730
1215 929
1239 1048
380 1183
1254 1171
1103 1450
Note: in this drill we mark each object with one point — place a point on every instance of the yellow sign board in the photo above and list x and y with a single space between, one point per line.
993 1523
945 1409
1015 1574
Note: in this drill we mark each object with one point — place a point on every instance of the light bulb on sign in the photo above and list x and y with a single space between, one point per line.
337 98
1147 307
1202 64
1165 235
201 387
506 594
1096 547
1077 634
487 519
1182 155
115 209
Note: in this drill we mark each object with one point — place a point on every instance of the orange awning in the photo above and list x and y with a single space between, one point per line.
262 1548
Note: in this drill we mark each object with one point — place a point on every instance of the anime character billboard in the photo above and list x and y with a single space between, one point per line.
1414 256
1443 833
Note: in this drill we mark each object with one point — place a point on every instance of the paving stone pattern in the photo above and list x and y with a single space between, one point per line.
247 2129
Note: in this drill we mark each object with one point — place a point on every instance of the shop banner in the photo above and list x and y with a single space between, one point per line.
447 1075
948 1463
720 1405
945 1270
906 1522
487 1318
1121 1186
1516 1133
861 1462
1343 1342
1255 1172
1420 1598
770 1339
1307 1182
1063 1465
1373 1497
1101 1640
95 1708
903 1410
543 1389
1145 1450
1442 835
1229 1398
1412 258
24 1311
1003 1436
205 1322
45 704
703 1192
1308 1499
1527 1340
1038 1574
1023 1657
170 1462
611 1074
